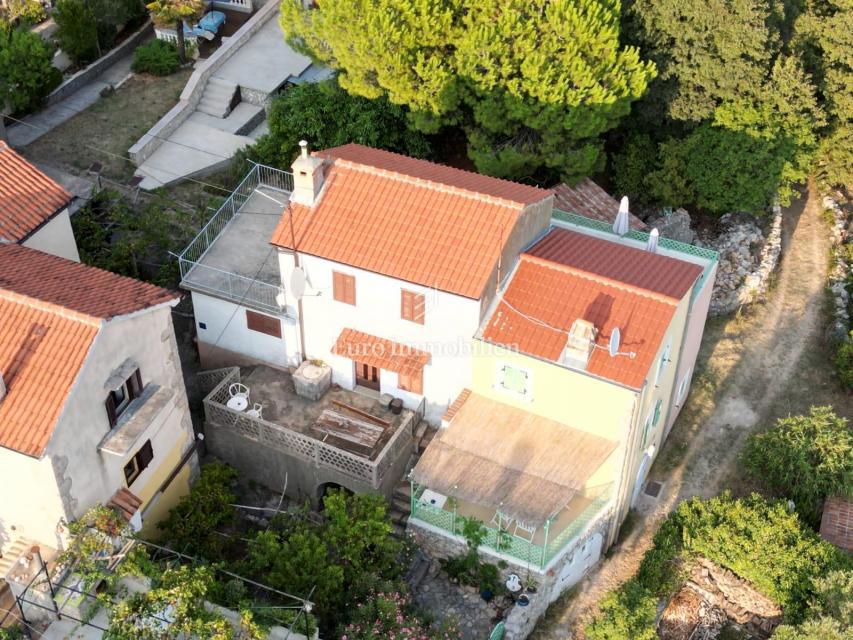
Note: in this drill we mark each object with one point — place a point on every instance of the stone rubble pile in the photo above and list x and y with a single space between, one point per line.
841 269
747 260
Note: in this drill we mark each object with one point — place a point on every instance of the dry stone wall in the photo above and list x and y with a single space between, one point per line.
841 270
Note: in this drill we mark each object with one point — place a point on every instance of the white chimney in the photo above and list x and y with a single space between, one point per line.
580 344
307 177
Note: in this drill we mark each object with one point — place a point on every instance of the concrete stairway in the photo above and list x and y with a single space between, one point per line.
11 552
242 120
218 97
401 500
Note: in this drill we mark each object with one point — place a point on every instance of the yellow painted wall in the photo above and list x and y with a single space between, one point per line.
179 487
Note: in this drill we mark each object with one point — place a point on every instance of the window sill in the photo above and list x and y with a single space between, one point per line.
135 420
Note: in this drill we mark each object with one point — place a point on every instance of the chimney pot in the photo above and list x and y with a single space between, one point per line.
303 145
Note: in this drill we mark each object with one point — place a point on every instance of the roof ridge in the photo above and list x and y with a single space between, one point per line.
430 184
49 307
595 277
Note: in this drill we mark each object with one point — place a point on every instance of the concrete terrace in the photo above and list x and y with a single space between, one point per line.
240 263
222 107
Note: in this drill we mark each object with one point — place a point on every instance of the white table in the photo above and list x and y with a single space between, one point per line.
237 403
433 498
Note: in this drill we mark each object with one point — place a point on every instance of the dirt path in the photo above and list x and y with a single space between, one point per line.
750 370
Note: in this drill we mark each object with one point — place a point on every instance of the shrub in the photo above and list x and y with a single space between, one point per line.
27 74
805 458
78 30
843 361
628 612
157 57
389 615
191 526
27 11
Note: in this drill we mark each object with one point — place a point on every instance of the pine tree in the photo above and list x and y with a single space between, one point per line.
534 84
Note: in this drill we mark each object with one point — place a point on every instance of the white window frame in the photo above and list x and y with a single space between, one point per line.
663 361
527 394
683 387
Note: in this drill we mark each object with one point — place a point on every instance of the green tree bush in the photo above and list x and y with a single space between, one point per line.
805 458
172 13
192 524
529 97
843 361
78 30
156 57
25 11
328 116
389 615
27 74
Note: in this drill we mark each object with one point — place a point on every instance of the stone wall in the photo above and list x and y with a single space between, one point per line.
747 260
841 270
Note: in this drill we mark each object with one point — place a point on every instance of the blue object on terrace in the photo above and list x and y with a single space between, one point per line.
207 27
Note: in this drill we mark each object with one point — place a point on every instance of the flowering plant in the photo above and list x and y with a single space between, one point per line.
387 615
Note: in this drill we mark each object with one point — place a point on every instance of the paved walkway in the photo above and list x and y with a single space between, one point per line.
20 135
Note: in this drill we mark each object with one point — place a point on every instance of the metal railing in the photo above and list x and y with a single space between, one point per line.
506 543
232 286
298 445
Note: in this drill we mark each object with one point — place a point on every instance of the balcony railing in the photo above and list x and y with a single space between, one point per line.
233 286
505 543
296 444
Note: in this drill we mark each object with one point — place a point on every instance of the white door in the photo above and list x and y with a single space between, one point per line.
641 475
583 559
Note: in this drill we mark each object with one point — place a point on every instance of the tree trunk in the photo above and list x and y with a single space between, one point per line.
182 49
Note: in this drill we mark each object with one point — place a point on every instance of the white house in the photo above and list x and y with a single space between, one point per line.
92 401
33 208
389 264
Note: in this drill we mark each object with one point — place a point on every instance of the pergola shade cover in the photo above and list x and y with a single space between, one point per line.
526 466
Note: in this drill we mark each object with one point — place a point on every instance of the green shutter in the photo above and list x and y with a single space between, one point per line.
658 407
514 380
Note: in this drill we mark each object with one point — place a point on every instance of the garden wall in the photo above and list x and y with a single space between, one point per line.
90 73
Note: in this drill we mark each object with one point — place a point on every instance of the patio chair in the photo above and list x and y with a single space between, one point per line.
501 521
257 411
238 389
527 530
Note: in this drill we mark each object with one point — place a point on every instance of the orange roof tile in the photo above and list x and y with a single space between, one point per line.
125 503
380 353
620 264
836 525
588 199
28 198
75 286
411 228
51 311
550 290
437 174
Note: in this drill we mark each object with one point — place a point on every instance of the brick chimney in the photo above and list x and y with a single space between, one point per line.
307 177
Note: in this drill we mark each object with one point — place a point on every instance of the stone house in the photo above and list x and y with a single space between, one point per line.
92 402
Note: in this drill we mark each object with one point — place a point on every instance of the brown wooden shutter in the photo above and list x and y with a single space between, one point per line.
110 405
263 323
144 456
412 306
343 287
134 384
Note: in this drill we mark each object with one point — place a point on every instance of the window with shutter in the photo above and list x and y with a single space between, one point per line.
414 383
118 400
343 287
412 306
514 380
263 324
138 463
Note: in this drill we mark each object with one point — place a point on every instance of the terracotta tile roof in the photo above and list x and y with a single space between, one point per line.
28 198
41 352
408 228
588 199
453 409
51 311
620 264
545 296
74 286
499 456
836 525
125 502
380 353
438 174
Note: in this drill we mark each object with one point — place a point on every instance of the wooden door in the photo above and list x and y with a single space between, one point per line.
367 376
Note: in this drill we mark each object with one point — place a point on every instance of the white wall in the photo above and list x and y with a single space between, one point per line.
86 475
55 237
226 329
30 506
449 325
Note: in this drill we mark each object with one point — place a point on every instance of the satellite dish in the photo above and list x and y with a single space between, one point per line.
615 341
297 283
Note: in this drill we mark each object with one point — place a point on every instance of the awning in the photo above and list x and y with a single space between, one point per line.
380 353
501 457
126 503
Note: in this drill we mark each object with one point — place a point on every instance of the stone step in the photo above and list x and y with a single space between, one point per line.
417 570
399 517
242 119
11 552
398 530
403 489
217 98
401 504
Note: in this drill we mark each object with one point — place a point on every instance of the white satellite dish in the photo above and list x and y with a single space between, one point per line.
297 283
615 341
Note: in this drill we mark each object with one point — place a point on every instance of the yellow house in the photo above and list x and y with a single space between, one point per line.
575 379
93 408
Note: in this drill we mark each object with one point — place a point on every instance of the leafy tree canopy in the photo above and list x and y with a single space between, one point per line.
805 458
533 84
27 74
